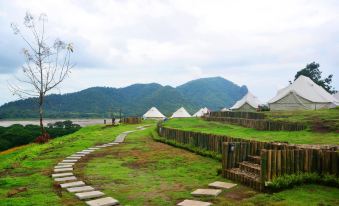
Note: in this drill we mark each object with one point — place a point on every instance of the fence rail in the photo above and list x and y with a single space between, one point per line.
259 124
245 115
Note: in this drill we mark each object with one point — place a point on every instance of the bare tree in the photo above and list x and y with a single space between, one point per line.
46 65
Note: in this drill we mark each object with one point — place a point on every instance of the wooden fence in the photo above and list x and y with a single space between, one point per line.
259 124
245 115
275 163
275 158
131 120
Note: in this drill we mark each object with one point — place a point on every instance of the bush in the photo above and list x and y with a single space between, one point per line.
289 181
42 139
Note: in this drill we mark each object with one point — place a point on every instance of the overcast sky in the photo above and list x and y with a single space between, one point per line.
261 44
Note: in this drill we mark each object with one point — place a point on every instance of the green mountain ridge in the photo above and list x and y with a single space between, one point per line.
134 100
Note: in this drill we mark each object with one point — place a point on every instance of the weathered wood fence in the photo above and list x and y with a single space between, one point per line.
259 124
275 163
131 120
244 115
267 159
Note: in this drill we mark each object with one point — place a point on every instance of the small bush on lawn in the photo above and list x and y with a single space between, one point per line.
289 181
42 139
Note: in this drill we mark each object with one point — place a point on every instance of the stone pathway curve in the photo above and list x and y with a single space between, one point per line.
63 175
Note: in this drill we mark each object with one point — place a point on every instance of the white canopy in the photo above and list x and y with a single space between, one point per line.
181 113
250 99
307 89
336 95
201 112
153 113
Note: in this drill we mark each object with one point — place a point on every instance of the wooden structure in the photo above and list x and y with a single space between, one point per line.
253 163
131 120
253 120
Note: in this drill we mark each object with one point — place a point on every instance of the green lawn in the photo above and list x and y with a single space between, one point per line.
138 172
297 137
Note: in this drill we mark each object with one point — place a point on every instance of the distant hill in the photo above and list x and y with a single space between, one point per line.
136 99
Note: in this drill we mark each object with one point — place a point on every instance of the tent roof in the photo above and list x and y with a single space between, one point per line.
181 113
201 112
336 95
307 89
250 99
153 113
225 109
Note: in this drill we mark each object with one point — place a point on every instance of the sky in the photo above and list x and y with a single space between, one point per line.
260 44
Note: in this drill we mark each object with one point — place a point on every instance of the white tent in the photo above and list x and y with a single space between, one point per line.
153 113
336 95
181 113
248 103
303 93
224 109
201 112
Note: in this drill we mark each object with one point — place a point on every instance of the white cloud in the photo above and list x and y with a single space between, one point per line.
257 43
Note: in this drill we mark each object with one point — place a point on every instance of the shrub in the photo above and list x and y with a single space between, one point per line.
42 139
289 181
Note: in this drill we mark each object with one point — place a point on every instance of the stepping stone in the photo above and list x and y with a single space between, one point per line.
222 185
72 157
102 146
88 150
85 153
106 201
89 195
78 155
63 179
72 184
93 148
206 192
62 174
80 189
112 143
63 169
194 203
69 161
63 166
65 163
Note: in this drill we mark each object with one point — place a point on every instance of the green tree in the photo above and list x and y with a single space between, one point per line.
312 71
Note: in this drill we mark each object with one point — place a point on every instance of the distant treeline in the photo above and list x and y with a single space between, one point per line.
17 134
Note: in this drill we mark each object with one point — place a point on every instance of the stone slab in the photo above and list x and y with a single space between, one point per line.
120 138
113 143
74 158
69 161
194 203
78 155
80 189
222 185
88 150
62 166
206 192
63 169
102 146
106 201
85 153
62 174
93 148
89 195
64 179
72 184
65 163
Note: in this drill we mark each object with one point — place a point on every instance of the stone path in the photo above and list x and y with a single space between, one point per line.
64 176
207 192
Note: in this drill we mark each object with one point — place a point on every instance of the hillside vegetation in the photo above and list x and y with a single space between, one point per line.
132 100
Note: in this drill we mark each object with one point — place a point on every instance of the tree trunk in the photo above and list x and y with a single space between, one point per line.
41 114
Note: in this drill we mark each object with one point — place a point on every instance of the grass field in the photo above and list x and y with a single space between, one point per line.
295 137
138 172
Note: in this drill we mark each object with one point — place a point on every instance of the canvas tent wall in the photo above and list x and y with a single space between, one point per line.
201 112
302 94
180 113
224 110
153 113
248 103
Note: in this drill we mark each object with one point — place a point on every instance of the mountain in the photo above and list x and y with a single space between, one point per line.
214 93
